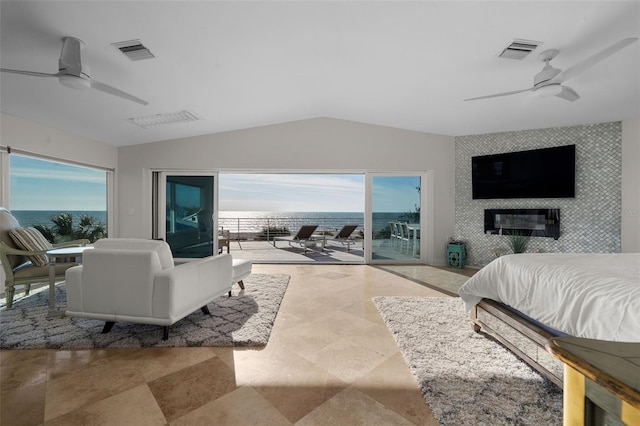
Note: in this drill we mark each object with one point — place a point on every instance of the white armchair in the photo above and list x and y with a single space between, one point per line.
134 280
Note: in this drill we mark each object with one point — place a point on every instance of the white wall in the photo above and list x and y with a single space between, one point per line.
25 135
315 145
631 185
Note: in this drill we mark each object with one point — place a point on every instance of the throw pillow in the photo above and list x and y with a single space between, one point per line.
30 239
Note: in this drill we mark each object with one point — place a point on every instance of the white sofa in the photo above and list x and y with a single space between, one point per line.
135 280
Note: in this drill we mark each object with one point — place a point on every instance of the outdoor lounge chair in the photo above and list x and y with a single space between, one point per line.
304 237
344 236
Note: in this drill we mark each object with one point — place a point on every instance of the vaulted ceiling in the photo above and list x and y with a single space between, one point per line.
238 65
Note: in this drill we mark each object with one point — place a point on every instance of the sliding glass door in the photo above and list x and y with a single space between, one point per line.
184 207
395 203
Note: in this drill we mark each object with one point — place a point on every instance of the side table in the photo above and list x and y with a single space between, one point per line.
53 255
456 254
601 381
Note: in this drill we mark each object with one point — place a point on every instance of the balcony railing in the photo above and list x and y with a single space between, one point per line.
252 228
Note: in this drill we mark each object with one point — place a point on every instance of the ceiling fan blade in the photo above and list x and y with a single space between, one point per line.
70 57
569 94
33 73
591 61
116 92
498 94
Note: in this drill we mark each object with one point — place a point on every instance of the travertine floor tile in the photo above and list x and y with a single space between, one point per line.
23 405
72 361
392 385
347 359
136 406
183 391
154 363
352 407
88 385
289 382
21 368
450 281
244 406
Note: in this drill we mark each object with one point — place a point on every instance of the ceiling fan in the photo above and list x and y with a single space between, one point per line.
548 82
73 73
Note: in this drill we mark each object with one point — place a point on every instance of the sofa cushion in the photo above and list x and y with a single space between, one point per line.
160 247
30 239
241 269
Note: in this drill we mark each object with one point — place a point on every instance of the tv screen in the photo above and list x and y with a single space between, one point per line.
538 173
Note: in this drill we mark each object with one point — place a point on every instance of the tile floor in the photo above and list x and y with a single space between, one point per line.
330 360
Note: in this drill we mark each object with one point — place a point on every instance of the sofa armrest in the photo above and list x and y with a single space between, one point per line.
73 284
187 287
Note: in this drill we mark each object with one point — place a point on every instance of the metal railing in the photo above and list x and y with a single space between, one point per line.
252 228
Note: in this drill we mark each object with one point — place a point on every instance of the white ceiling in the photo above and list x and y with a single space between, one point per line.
245 64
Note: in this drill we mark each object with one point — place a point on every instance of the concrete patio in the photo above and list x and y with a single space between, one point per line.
265 252
334 252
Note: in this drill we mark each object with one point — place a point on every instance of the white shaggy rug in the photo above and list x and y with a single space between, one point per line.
245 319
466 378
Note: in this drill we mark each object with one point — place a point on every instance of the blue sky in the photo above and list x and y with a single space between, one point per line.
46 185
395 193
315 192
292 192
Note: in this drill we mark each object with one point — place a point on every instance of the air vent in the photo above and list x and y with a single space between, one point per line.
158 120
519 49
134 50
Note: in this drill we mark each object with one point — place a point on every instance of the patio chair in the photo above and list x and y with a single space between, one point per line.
26 263
304 237
404 237
344 236
394 234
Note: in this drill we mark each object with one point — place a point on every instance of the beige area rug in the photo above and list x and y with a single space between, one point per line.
466 378
245 319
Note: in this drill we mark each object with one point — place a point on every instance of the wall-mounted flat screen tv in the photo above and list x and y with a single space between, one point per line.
538 173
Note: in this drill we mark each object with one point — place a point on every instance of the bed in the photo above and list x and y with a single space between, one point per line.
524 300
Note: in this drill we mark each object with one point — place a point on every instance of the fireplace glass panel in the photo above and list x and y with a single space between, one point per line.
531 222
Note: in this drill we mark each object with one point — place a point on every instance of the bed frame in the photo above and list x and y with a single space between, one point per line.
519 335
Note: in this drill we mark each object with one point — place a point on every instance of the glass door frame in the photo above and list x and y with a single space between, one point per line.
426 216
160 212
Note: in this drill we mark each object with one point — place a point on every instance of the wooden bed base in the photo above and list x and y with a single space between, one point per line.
520 336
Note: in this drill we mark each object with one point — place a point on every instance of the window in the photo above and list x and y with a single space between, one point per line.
69 200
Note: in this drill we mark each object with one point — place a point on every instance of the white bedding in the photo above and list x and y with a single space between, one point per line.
594 296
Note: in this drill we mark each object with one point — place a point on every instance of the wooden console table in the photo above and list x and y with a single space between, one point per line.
601 381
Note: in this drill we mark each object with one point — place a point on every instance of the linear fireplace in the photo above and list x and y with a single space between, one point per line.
531 222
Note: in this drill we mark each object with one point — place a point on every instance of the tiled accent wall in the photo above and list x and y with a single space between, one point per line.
590 222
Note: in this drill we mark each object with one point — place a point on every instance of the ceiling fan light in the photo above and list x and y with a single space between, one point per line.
74 82
548 90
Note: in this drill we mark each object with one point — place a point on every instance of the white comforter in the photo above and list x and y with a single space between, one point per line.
594 296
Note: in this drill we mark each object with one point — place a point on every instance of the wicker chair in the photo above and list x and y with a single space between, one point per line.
18 270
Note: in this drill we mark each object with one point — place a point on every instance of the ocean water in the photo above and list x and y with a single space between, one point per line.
255 221
238 221
43 217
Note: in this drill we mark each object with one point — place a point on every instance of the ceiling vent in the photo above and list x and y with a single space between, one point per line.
134 50
519 49
152 121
